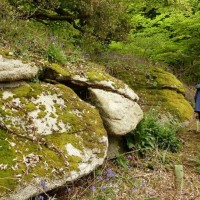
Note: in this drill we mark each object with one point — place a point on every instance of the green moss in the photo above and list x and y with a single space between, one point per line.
29 106
166 101
52 115
98 75
7 155
42 107
41 114
176 104
21 91
49 160
85 132
60 140
158 89
59 69
6 53
74 160
36 90
165 79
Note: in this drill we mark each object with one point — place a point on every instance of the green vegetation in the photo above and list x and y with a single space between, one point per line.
151 134
55 54
165 31
7 155
196 160
143 43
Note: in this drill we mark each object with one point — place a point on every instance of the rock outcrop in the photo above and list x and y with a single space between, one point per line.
116 102
15 70
159 89
48 135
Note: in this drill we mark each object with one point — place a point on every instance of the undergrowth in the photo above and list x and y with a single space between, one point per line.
151 133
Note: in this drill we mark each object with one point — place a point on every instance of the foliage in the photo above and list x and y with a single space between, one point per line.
196 160
55 54
30 39
104 19
151 134
122 161
165 31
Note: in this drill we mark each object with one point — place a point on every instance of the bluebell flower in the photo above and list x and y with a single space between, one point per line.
103 187
40 198
43 184
129 156
134 190
68 190
129 166
100 178
143 184
110 173
93 188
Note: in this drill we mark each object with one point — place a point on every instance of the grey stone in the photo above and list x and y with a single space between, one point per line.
120 115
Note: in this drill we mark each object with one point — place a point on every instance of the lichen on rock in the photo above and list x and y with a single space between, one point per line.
88 75
42 127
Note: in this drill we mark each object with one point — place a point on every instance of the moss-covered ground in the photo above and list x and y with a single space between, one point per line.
157 88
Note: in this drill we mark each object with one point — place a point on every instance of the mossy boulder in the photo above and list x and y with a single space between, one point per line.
158 89
87 75
48 136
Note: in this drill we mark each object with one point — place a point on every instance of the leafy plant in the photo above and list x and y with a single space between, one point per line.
122 161
55 54
197 162
151 133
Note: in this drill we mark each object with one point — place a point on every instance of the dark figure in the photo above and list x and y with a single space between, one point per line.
197 105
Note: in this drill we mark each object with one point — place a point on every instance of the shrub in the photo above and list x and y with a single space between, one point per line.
151 133
55 54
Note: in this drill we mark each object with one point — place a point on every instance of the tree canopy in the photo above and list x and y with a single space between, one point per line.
166 31
104 19
159 30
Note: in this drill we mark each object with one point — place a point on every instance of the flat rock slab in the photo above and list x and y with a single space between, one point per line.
89 75
48 137
15 70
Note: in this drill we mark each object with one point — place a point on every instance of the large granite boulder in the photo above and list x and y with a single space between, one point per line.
48 137
15 70
120 114
116 102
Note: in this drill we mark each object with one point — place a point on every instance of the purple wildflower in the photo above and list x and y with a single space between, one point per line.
100 178
40 198
134 190
143 184
129 166
43 184
93 188
110 173
129 156
68 190
107 179
53 38
103 187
